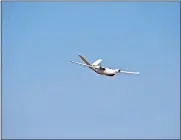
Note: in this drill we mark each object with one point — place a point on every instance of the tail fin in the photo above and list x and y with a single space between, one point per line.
83 59
97 62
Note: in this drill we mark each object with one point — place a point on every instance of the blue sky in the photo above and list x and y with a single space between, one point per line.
46 96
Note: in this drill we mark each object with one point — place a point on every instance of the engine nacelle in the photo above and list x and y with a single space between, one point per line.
117 70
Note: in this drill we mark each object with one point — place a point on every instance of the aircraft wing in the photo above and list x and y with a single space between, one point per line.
90 66
128 72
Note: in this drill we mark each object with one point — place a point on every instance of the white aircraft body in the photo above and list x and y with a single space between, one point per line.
101 70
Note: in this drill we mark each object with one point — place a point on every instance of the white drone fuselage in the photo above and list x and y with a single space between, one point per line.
101 70
105 71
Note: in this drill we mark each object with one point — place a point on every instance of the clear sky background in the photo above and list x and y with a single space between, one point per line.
46 96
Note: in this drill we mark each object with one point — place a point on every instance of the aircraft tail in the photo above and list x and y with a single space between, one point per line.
83 59
97 62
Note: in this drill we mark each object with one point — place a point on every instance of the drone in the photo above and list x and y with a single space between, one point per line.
96 67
